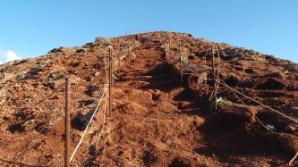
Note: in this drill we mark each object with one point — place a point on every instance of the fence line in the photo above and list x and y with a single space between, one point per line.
237 92
293 159
261 104
110 61
85 131
253 114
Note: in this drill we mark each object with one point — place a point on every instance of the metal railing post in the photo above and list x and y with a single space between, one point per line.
110 79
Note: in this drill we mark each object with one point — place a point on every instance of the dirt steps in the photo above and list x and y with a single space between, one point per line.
162 117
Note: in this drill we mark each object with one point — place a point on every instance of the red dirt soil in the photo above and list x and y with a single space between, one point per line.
156 119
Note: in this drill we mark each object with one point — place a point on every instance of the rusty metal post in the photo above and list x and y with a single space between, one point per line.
214 79
218 69
128 51
181 64
170 42
107 62
67 124
119 65
110 79
205 59
169 49
160 37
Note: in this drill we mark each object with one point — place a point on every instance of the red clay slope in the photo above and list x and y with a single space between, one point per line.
156 119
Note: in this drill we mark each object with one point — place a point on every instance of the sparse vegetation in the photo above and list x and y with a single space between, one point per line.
103 41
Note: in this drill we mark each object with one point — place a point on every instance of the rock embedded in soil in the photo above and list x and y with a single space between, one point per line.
271 84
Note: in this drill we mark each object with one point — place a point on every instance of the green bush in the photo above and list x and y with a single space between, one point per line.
103 41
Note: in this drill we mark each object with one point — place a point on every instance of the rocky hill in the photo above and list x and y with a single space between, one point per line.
159 117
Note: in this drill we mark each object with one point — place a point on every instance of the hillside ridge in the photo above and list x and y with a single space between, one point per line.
162 104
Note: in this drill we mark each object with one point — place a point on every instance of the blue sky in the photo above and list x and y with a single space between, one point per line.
30 28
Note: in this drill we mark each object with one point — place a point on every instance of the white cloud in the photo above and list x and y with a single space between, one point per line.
11 56
7 56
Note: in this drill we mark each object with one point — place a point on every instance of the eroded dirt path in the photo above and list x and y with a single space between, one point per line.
150 118
154 122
